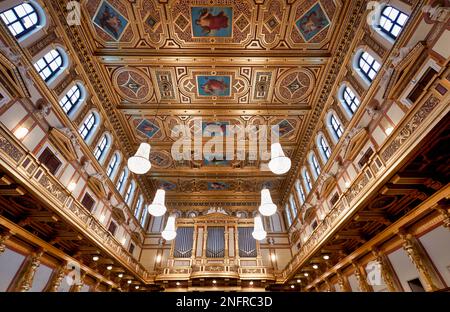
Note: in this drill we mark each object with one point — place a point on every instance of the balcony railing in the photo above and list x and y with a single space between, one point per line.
26 168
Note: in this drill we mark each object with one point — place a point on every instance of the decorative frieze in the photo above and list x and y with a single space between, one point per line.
409 129
10 149
374 45
44 42
66 82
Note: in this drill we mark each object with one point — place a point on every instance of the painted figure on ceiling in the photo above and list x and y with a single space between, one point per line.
210 23
312 22
111 21
214 87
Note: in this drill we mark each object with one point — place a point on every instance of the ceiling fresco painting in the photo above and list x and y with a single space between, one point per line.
238 63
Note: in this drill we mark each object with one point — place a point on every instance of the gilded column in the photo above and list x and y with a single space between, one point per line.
3 238
387 272
421 261
56 280
330 287
77 286
343 282
25 281
361 277
443 211
96 286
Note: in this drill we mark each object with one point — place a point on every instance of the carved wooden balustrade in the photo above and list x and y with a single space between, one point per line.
379 166
15 158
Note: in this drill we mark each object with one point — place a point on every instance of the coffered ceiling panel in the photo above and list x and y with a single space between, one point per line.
213 24
195 63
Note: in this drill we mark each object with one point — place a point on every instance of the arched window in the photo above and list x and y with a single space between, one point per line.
315 165
122 178
100 150
392 21
307 180
288 215
130 191
88 126
350 99
293 205
137 208
21 19
112 166
325 148
336 126
300 193
71 99
144 218
368 65
50 64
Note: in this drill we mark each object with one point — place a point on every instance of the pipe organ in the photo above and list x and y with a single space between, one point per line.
214 245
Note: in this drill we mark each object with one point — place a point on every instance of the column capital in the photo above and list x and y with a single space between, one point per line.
4 236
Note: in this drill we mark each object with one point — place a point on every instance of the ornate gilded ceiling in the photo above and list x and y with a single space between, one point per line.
168 63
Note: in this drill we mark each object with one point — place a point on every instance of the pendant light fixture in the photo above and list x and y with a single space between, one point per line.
169 232
140 162
267 207
258 231
158 207
279 163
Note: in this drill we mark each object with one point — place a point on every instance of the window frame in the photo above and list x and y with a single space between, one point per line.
67 102
350 99
363 58
315 165
112 168
325 150
394 22
288 214
90 129
307 180
301 194
129 194
54 72
121 181
26 30
102 149
336 126
293 205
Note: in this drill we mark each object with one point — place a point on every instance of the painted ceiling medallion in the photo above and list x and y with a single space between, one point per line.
295 85
132 84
